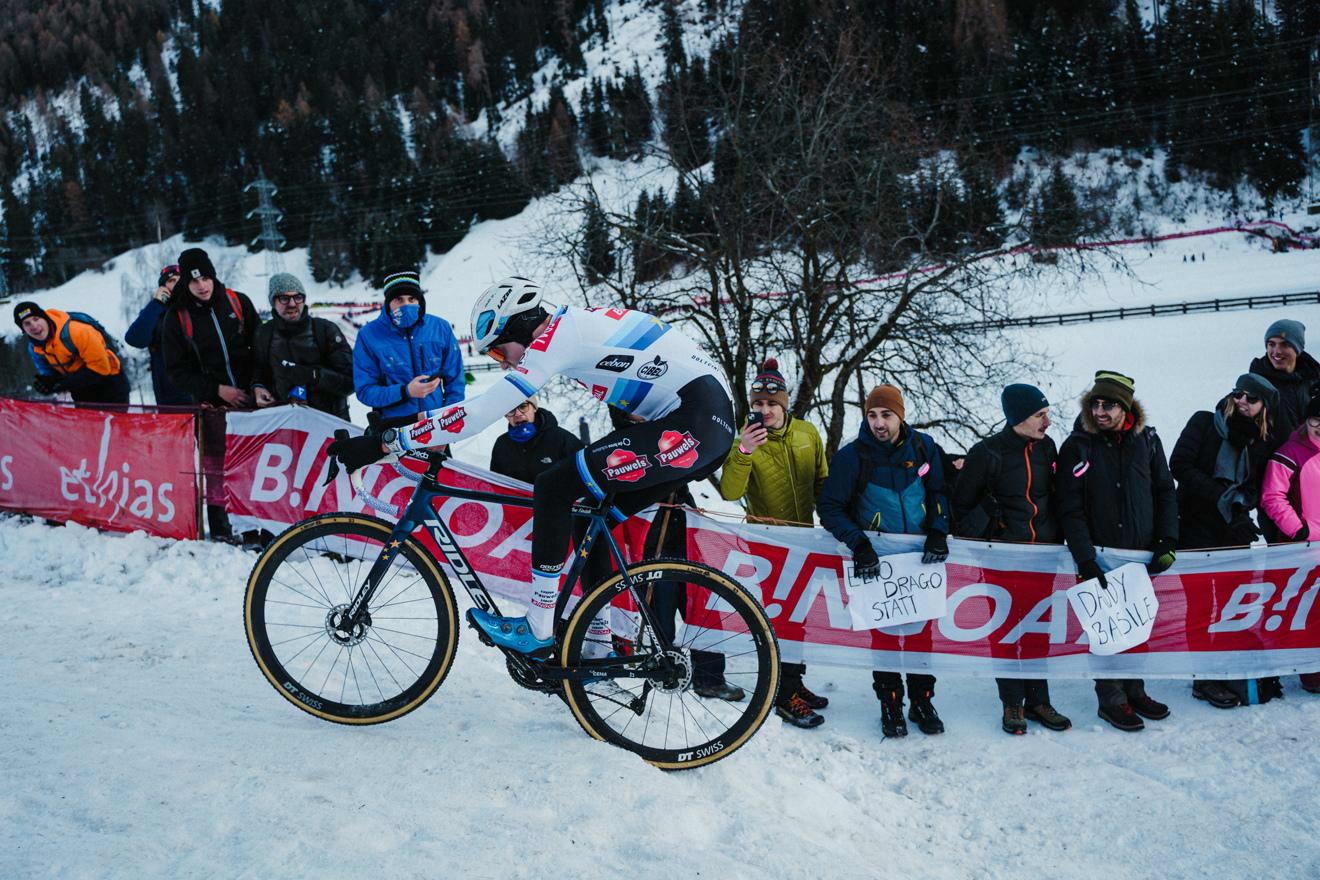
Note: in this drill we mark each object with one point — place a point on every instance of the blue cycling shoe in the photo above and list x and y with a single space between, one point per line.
509 632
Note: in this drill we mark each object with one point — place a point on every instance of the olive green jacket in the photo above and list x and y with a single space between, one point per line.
781 478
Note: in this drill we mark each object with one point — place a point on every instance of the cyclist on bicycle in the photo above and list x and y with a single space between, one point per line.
628 359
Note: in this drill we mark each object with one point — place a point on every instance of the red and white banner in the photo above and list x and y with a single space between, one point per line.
111 469
1226 614
275 470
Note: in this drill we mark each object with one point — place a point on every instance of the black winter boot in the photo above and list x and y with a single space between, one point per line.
815 701
218 528
797 713
1147 707
923 714
891 713
1121 716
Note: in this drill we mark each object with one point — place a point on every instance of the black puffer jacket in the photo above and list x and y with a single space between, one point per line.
1005 491
1294 392
310 352
524 461
1114 489
1193 465
219 351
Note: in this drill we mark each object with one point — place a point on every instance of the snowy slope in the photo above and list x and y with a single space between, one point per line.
141 741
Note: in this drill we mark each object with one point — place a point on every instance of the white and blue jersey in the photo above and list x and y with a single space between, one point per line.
628 359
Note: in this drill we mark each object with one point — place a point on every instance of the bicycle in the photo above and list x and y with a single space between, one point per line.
348 647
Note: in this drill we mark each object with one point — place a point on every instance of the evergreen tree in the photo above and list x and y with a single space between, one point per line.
1057 218
597 249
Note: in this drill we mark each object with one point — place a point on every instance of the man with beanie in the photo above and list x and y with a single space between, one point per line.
71 353
1289 369
145 332
406 362
206 339
1005 493
300 358
777 467
1114 489
890 479
207 335
533 442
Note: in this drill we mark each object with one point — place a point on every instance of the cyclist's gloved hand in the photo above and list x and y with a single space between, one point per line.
46 384
865 561
357 452
936 549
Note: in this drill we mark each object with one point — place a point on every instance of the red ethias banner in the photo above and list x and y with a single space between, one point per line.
122 471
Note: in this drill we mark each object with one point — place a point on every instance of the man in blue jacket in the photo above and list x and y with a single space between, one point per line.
890 479
406 362
145 331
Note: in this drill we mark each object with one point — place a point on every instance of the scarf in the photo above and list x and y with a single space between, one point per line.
1231 469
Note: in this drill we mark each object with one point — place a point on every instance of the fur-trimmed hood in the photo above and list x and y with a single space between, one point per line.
1085 422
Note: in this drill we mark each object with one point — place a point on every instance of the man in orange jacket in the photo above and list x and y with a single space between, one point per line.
71 355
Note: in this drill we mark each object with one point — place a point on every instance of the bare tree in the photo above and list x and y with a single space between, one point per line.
827 230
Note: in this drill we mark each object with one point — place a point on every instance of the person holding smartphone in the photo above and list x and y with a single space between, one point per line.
776 468
145 332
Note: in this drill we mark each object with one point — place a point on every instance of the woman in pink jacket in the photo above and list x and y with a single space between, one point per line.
1291 493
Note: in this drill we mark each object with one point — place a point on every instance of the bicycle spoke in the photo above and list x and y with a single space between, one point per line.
299 638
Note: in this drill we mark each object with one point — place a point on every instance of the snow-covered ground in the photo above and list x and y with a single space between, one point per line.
141 741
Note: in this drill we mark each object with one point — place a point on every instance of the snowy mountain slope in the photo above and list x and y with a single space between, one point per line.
142 741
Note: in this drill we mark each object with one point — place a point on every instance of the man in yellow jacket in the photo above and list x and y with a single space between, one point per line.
71 354
777 467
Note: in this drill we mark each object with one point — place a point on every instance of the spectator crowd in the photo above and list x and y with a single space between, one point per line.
1245 469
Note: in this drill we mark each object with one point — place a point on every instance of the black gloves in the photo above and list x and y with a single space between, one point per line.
936 549
1091 570
866 563
1162 555
357 452
1242 531
1303 534
45 384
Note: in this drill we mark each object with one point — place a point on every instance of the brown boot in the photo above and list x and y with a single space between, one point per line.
1013 722
1046 716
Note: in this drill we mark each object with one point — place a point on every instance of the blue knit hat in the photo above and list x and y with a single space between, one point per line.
1021 402
1291 332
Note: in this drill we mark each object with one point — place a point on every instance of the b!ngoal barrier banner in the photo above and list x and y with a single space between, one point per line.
1221 614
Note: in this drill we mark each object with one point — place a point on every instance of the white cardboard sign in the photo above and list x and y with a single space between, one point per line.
903 591
1120 616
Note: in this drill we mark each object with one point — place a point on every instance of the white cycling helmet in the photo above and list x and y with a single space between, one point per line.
501 303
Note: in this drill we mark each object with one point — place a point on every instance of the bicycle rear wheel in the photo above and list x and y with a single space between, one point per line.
388 665
660 717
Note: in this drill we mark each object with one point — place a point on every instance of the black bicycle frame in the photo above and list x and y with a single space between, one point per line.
420 512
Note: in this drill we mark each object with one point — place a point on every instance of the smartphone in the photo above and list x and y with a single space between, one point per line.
755 418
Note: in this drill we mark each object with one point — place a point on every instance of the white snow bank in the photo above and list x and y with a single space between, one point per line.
142 741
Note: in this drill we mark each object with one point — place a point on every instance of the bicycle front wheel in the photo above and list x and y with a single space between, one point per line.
387 665
647 702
